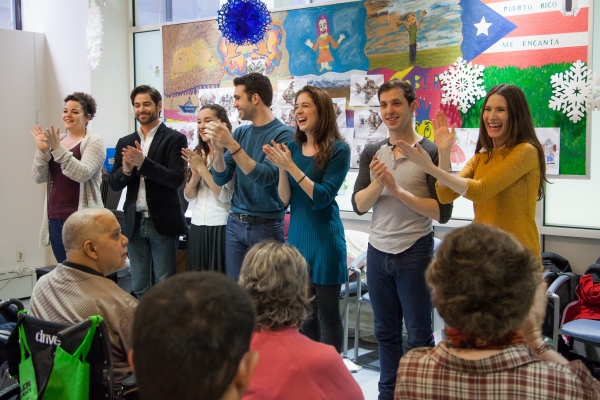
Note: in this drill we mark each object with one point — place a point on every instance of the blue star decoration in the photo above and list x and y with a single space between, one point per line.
244 22
481 28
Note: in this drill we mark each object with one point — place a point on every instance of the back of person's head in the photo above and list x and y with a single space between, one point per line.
404 87
483 281
275 275
191 338
146 89
256 83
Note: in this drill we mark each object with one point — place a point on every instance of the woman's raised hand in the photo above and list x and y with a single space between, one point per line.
443 135
52 137
38 135
279 154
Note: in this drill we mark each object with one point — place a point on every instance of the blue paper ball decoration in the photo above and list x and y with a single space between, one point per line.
244 21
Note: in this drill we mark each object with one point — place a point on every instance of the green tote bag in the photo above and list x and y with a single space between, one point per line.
70 376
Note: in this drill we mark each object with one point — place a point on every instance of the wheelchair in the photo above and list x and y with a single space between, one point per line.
43 338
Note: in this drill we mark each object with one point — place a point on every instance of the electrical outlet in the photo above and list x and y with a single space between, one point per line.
20 255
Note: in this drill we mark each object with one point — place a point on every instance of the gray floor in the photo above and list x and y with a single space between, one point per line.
368 376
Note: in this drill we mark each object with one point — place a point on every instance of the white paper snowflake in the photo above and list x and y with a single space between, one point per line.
572 91
461 84
93 34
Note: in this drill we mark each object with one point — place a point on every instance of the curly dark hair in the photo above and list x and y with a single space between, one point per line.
483 281
326 131
275 275
88 104
256 83
405 87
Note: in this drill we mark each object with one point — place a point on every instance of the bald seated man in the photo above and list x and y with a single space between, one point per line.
78 287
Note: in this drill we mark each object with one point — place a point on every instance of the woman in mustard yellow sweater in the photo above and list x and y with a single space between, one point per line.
506 176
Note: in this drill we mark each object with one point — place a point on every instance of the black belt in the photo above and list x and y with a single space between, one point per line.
252 220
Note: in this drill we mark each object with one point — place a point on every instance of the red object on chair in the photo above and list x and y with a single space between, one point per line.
286 226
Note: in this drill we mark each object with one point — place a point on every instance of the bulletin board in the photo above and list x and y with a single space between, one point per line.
450 51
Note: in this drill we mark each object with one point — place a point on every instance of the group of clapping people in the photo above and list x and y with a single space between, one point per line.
243 182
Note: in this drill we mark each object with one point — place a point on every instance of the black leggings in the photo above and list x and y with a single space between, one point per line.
326 323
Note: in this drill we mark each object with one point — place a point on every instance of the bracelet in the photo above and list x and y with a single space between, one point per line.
302 178
234 153
544 346
125 173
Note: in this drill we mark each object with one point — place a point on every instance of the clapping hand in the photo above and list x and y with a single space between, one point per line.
220 136
196 160
444 137
416 154
52 138
38 135
381 174
279 154
133 156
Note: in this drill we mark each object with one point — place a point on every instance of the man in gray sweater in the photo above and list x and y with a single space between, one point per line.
404 203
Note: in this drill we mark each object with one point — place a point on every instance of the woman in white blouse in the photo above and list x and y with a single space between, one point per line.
206 237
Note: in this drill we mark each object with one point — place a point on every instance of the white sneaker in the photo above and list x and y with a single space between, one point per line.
350 365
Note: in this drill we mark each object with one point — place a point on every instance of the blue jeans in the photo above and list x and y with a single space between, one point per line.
397 290
151 254
240 237
55 232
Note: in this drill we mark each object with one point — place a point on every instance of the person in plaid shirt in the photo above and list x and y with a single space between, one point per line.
488 289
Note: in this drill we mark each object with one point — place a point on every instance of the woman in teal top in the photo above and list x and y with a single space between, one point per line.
312 169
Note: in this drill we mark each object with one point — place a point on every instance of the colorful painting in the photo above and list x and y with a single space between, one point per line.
451 51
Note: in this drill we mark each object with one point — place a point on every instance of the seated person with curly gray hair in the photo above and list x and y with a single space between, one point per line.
291 366
488 289
191 339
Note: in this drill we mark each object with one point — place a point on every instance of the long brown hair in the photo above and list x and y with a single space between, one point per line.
222 116
519 128
326 131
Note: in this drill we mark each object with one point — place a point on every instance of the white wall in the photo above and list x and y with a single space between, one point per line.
61 66
22 104
63 23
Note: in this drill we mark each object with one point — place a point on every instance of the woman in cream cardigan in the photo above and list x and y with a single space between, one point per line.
71 165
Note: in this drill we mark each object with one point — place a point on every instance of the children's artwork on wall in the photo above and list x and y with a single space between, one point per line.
327 38
339 107
363 89
465 141
287 89
368 123
189 130
207 96
357 147
286 115
347 134
550 140
451 51
225 100
258 65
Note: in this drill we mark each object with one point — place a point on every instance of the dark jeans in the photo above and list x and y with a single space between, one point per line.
240 237
397 290
56 228
325 325
412 49
151 254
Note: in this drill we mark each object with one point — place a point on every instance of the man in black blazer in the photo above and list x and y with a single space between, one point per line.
149 164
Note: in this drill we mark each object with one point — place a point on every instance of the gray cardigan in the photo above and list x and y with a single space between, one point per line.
87 171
